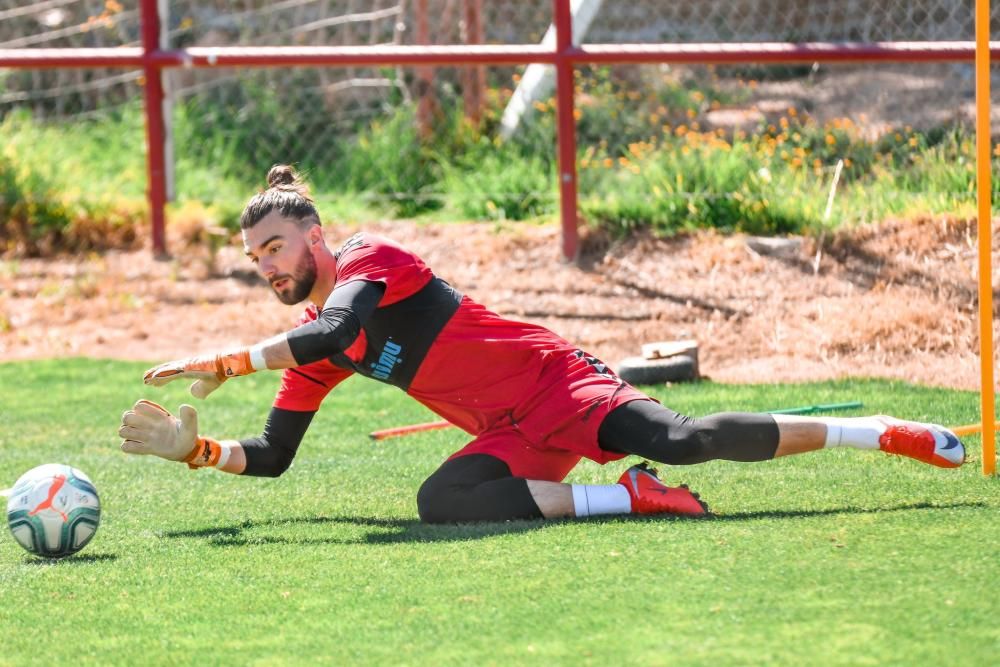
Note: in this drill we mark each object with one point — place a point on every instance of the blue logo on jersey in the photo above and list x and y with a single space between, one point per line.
386 361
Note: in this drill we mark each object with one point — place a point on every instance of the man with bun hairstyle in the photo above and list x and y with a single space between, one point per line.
533 403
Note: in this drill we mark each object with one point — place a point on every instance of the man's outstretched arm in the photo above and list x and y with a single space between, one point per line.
338 325
149 429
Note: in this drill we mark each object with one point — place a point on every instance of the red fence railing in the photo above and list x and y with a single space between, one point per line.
564 56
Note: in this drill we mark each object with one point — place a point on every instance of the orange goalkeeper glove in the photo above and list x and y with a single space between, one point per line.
209 371
148 429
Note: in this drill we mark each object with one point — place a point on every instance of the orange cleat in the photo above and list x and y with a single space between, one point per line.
650 496
929 443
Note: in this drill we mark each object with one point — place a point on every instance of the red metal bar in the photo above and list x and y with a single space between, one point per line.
398 54
126 57
776 52
491 54
566 128
155 136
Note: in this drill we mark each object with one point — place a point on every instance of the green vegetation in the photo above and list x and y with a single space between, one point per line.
645 160
834 558
61 188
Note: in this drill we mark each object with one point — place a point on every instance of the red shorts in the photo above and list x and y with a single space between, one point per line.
556 424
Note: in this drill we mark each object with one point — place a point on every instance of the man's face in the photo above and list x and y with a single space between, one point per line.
283 255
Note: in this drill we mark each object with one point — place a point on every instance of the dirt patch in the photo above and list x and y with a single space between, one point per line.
896 301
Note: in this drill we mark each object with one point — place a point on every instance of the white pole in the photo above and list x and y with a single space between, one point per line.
539 80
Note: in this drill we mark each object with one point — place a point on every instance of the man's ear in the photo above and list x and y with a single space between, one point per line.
315 235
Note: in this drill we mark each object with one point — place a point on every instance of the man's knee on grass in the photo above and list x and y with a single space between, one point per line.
475 488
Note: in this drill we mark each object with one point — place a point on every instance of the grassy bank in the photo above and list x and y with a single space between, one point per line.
653 162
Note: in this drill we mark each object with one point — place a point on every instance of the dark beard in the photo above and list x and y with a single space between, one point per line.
303 279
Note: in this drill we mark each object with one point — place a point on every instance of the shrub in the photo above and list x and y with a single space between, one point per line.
48 198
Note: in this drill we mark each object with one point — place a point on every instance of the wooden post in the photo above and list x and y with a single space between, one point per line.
426 103
473 76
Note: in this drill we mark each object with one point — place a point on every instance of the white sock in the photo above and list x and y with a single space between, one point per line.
591 500
857 432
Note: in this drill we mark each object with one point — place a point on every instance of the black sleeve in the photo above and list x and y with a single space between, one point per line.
338 324
270 454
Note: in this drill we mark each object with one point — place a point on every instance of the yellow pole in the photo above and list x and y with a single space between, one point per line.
984 188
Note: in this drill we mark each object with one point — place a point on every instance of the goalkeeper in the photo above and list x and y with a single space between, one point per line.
533 403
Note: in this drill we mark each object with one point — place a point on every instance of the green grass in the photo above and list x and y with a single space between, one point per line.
833 558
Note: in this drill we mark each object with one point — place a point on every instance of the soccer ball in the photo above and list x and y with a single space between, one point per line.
53 510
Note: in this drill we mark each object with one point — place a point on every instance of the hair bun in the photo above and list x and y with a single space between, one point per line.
281 174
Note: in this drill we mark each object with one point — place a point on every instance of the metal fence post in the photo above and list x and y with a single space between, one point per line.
566 127
153 99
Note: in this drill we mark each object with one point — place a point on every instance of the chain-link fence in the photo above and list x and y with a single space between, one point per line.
243 120
107 23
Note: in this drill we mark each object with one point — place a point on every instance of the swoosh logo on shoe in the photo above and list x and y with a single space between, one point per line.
952 441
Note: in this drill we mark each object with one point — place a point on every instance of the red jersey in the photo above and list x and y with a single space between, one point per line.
466 363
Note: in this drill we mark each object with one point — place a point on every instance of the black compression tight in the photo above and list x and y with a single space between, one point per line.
647 429
479 487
